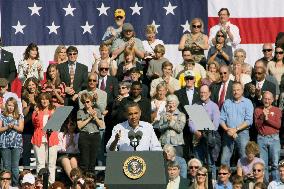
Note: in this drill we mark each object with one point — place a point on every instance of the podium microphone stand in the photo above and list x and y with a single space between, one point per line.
54 124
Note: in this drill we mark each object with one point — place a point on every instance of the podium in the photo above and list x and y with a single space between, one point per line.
137 169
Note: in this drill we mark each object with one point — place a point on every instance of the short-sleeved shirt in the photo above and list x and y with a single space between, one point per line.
92 126
246 166
10 138
119 42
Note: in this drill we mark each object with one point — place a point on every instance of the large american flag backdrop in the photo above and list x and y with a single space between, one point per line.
83 22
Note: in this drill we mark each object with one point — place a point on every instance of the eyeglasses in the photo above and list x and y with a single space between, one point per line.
189 78
122 87
220 35
256 170
196 26
70 54
87 102
92 80
223 73
200 174
279 52
104 69
193 167
223 173
3 178
127 31
266 50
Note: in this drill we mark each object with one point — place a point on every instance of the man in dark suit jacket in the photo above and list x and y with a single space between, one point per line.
107 83
255 88
174 178
187 96
7 65
217 89
76 81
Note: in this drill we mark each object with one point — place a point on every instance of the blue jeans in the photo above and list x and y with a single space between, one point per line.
229 145
11 158
270 152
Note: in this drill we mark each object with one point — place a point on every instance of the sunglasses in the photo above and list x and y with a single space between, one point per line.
189 78
258 73
220 35
196 26
193 167
87 102
70 54
223 173
223 73
5 178
256 170
93 80
266 50
279 52
200 174
118 17
122 87
104 69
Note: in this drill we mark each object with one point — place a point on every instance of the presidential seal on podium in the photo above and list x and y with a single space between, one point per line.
134 167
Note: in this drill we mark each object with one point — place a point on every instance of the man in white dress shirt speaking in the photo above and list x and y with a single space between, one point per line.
120 141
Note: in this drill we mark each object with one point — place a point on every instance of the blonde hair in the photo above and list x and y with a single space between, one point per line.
160 48
194 20
151 29
204 171
16 114
57 51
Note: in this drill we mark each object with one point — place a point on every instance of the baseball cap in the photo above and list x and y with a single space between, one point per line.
127 27
28 178
119 12
3 82
189 74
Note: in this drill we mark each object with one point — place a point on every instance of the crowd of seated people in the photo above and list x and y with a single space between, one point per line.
132 86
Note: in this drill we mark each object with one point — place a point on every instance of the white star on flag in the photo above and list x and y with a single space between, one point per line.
69 10
156 25
35 9
19 28
103 9
170 9
136 9
53 28
186 26
87 28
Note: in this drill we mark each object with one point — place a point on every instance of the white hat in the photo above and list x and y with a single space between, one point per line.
28 178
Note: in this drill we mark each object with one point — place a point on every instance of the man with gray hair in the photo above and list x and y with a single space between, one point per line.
170 155
175 181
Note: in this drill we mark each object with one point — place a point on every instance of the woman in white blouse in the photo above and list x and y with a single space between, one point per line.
151 41
30 66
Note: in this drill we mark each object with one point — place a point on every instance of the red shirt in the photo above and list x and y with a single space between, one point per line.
270 126
37 119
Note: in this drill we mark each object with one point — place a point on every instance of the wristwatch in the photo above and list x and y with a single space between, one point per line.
238 129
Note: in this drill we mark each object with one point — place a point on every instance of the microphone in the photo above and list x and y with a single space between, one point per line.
131 135
138 135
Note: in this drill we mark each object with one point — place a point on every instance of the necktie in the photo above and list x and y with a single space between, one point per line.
258 86
103 86
72 74
222 96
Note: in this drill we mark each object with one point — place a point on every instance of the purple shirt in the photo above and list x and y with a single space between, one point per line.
246 166
213 112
